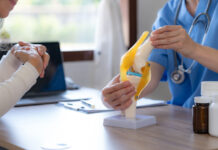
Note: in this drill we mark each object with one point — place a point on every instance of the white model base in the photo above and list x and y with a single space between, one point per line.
122 122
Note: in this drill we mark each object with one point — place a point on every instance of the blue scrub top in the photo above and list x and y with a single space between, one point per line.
183 94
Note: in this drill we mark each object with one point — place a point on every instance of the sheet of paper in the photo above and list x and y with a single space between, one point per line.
99 106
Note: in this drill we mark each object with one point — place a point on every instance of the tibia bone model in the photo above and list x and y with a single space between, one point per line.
135 62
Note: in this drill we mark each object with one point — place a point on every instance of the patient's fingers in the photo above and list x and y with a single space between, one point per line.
40 48
21 43
42 74
46 59
22 55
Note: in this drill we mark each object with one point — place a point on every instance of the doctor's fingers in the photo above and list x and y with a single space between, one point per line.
168 28
119 94
115 87
180 48
123 98
167 41
115 79
164 35
178 43
124 105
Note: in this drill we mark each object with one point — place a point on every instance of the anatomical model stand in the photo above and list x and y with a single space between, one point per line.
135 68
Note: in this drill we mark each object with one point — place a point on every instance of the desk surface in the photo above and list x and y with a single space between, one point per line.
30 127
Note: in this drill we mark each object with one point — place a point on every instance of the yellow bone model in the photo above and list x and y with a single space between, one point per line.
127 63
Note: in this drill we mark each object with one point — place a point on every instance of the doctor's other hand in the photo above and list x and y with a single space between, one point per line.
118 94
174 37
30 56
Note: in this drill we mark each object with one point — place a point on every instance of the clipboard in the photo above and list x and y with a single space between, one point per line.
99 106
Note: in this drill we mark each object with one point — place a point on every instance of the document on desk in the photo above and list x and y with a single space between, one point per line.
95 105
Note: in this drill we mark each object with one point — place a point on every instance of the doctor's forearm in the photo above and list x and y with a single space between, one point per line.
206 56
156 73
149 89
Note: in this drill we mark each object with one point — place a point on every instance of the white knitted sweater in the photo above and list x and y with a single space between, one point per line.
15 80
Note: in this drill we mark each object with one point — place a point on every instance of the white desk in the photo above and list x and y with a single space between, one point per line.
29 127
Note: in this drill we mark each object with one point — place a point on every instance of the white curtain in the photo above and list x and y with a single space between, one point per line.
109 42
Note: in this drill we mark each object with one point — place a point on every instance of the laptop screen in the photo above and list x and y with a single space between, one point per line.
54 79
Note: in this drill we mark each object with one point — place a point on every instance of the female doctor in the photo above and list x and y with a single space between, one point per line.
185 40
20 68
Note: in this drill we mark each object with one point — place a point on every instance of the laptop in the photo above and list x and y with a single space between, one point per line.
52 88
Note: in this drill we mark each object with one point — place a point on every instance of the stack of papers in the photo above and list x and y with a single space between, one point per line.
96 105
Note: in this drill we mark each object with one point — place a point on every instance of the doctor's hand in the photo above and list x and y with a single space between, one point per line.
174 37
118 94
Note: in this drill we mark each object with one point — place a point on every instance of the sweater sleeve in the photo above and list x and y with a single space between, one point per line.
8 65
16 86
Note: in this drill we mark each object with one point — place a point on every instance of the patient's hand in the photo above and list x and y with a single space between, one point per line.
118 94
32 57
28 52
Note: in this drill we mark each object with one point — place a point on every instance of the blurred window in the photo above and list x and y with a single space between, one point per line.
72 22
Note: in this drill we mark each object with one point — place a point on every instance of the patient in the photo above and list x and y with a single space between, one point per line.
20 67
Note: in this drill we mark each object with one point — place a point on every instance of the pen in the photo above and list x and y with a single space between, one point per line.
73 100
87 104
71 106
